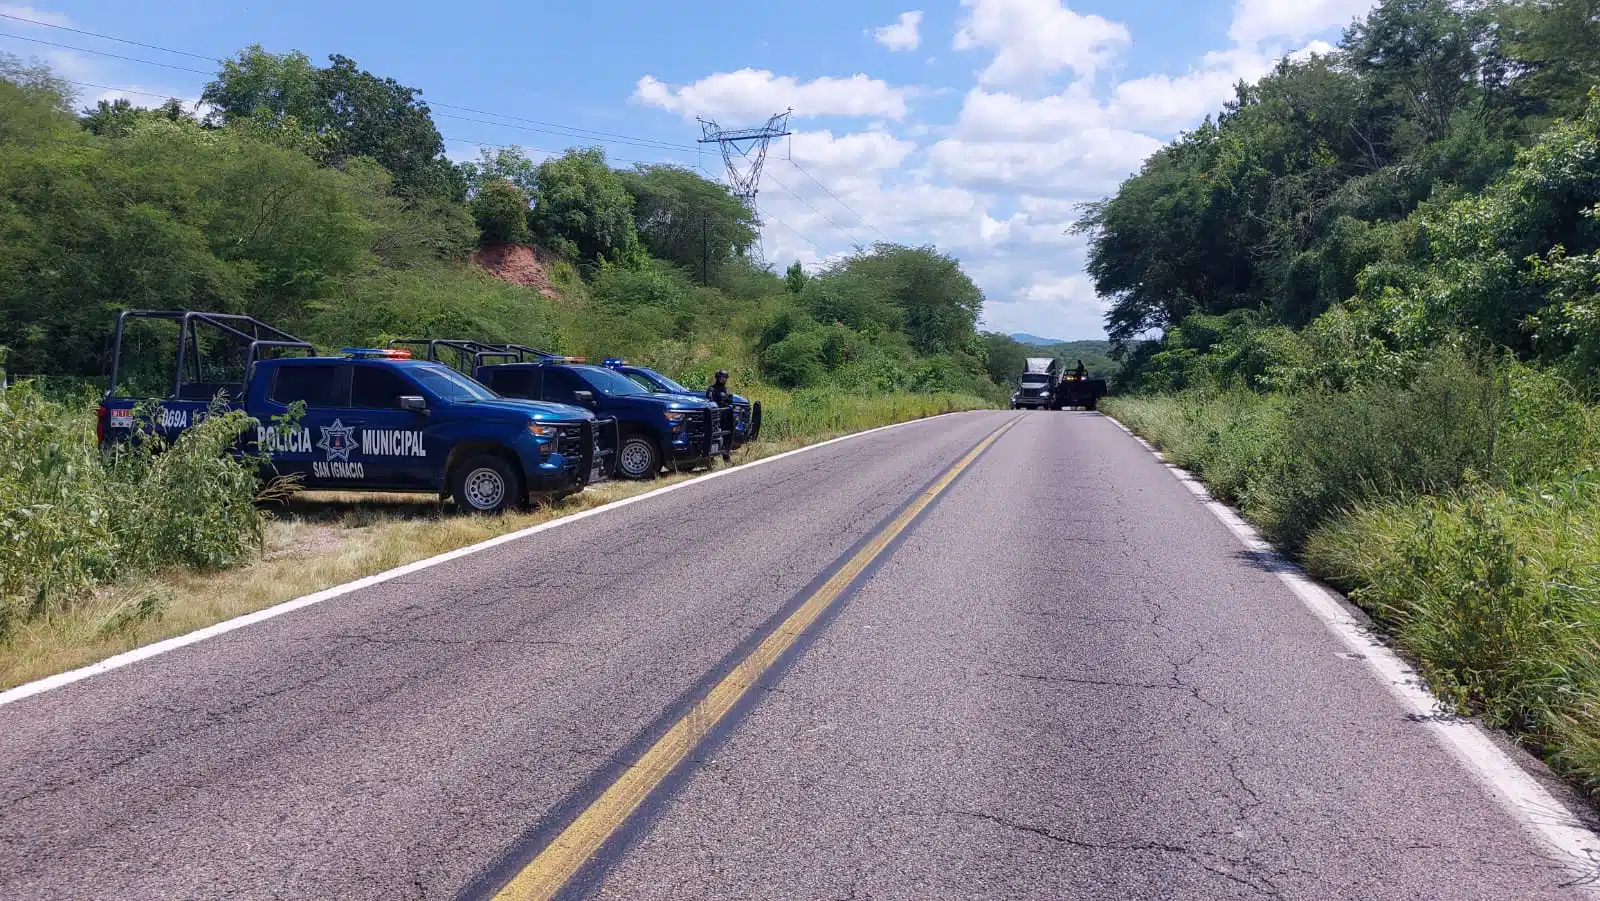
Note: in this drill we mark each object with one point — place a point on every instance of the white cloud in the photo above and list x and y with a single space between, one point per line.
1255 21
1166 104
1001 116
751 94
864 151
1090 162
1033 39
1047 301
1315 48
903 34
35 15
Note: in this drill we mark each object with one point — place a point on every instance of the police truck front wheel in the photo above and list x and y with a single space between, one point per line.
638 458
485 484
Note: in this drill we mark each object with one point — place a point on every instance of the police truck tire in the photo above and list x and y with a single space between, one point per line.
485 484
638 458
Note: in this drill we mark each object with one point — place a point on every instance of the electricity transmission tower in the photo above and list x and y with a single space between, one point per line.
744 150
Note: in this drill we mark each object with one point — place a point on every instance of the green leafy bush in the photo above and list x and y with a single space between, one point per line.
501 211
71 521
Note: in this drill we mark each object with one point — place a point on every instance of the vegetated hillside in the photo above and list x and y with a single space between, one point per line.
1377 274
318 198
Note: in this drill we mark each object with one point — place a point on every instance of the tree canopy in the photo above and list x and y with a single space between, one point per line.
1417 184
350 112
318 199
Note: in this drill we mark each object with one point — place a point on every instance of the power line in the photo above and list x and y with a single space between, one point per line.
841 229
108 87
105 37
762 217
620 159
147 62
646 143
862 219
664 145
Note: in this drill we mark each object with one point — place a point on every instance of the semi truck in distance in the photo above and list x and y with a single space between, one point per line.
1044 385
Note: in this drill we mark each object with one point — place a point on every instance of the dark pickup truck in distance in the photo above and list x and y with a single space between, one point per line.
374 420
746 424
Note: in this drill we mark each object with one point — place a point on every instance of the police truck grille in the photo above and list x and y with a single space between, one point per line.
571 443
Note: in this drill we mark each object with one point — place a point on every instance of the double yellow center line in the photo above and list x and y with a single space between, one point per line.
561 860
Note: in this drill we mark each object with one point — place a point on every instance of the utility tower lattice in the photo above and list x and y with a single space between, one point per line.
738 145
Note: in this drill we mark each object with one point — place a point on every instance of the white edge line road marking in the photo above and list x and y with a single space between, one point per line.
28 689
1528 802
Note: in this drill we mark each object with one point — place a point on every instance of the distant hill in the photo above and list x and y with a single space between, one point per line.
1025 338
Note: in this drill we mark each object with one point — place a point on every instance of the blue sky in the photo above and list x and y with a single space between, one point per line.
976 125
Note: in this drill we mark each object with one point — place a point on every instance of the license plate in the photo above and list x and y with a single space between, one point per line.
716 446
596 473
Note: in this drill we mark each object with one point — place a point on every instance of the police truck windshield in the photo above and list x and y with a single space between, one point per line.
607 381
671 386
449 385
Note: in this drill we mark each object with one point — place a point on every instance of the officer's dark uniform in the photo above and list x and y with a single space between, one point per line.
1080 372
719 394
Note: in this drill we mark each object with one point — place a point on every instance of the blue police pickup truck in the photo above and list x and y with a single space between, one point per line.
373 420
746 426
654 430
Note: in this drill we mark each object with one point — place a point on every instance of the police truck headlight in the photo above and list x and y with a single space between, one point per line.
676 417
544 432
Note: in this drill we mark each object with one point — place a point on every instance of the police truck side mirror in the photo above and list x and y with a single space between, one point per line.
413 403
583 397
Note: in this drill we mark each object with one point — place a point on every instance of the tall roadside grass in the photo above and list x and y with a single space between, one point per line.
72 521
1496 594
807 415
1461 510
317 540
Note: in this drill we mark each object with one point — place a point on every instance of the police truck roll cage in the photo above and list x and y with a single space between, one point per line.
470 354
257 335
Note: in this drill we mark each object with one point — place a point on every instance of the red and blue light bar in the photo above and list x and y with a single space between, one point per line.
377 353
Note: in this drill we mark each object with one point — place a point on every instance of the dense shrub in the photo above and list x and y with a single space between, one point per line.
70 521
501 211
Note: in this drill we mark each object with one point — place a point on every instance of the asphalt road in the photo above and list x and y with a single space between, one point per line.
1065 679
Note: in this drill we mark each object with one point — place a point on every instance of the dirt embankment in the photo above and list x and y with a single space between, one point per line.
519 264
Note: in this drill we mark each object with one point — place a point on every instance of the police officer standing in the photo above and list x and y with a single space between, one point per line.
719 394
1080 372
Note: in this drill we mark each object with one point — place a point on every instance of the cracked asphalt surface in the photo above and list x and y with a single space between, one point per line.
1066 680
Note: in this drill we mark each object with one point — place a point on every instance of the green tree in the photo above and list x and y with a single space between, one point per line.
501 211
688 220
352 111
582 208
34 102
794 279
1004 357
277 90
509 164
116 118
1554 47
